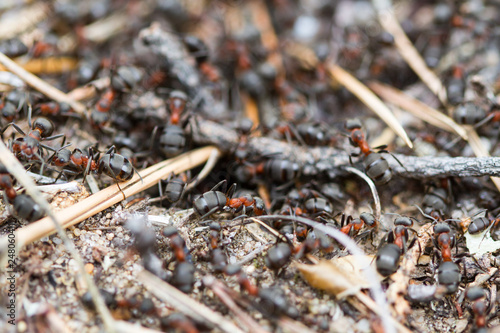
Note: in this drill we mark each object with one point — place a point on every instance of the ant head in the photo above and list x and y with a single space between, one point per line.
244 126
169 231
475 293
45 126
176 100
404 221
441 228
368 219
352 124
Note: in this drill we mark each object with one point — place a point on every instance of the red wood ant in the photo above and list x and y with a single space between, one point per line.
28 146
478 298
24 206
376 166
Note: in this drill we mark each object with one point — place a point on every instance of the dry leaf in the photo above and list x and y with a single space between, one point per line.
340 276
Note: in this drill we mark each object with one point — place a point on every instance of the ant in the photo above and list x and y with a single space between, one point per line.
24 206
213 201
7 184
199 50
123 79
478 298
388 256
173 138
28 146
243 281
178 244
444 240
449 276
53 109
350 226
480 224
376 166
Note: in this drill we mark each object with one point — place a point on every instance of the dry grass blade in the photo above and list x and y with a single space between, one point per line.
479 150
52 65
41 85
418 109
243 318
373 188
369 99
16 169
262 20
184 303
111 195
408 51
24 20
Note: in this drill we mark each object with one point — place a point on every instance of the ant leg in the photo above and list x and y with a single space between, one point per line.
17 128
218 185
393 156
116 181
87 168
231 191
111 151
53 137
210 212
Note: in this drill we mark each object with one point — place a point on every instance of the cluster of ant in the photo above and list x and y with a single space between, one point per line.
147 114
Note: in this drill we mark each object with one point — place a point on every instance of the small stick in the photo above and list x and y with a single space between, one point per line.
406 49
89 90
108 197
246 322
479 149
41 85
16 169
184 303
376 199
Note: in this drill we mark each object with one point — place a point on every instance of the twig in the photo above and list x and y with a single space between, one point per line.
41 85
479 149
406 49
245 320
369 99
89 90
351 246
108 197
184 303
376 199
316 160
16 169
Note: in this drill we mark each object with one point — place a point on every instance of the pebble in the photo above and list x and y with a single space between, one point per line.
110 236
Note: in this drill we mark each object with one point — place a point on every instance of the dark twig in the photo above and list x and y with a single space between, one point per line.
333 161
